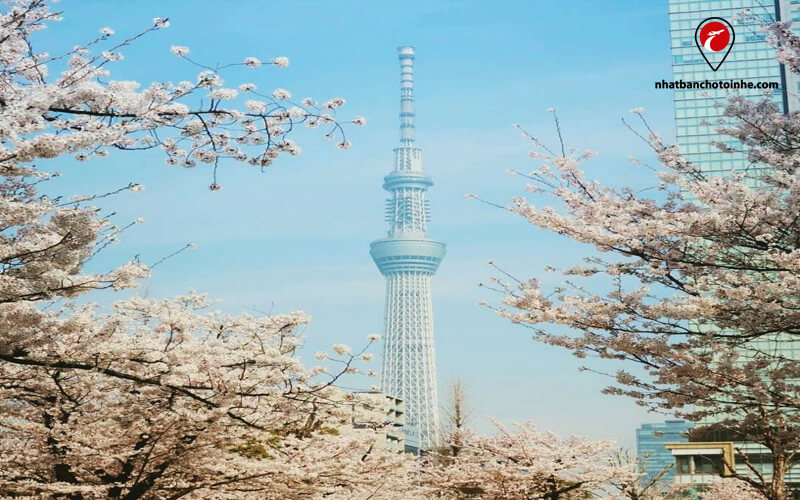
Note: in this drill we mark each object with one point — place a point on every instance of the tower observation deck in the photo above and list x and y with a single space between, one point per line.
408 259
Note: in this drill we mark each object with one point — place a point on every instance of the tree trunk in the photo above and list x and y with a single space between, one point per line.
778 485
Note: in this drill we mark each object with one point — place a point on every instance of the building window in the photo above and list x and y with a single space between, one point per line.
708 465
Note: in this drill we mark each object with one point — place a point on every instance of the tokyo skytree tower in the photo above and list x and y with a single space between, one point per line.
408 259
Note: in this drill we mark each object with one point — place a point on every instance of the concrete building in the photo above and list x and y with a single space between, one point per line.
702 463
655 460
408 259
380 412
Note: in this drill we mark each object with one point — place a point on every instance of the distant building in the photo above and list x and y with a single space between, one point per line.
700 463
653 455
378 411
747 456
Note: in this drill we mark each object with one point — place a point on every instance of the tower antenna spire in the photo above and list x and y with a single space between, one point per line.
406 56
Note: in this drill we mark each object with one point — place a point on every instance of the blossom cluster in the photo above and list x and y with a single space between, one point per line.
84 112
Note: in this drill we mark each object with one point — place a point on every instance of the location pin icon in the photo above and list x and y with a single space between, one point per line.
714 39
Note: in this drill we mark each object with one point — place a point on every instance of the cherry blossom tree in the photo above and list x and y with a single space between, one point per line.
195 121
642 487
730 489
695 282
526 463
158 400
153 398
82 113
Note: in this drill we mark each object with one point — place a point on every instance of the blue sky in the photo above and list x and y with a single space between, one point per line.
297 236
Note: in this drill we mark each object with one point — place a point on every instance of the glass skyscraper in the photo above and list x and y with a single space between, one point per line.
698 113
653 457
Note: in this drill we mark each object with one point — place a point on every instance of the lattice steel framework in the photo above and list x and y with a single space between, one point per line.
408 259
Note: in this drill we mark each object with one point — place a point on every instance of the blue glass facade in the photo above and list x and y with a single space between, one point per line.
652 455
698 113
